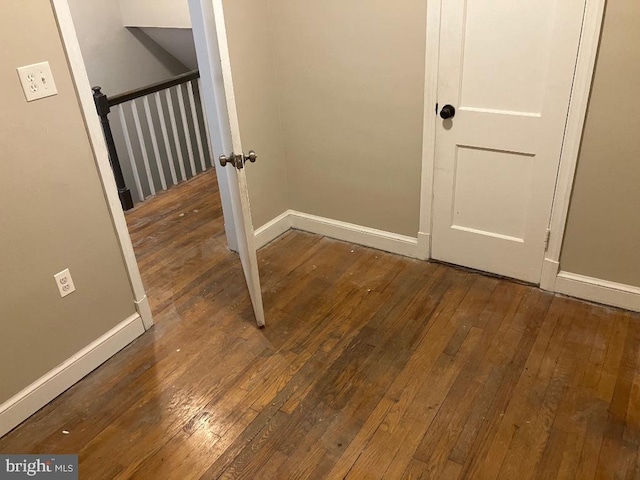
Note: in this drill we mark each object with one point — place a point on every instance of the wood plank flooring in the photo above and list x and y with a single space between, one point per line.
371 366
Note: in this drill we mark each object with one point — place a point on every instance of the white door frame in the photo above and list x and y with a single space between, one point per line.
586 59
585 67
99 147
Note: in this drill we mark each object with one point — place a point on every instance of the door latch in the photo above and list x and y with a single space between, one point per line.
238 161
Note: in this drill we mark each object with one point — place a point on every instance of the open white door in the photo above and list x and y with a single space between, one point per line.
219 101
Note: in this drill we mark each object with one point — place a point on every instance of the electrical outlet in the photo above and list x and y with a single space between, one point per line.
37 81
64 282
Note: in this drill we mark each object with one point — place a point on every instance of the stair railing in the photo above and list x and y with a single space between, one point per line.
152 169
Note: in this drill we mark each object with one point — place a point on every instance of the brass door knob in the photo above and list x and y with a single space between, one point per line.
230 159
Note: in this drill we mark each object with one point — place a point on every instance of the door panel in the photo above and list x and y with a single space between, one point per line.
507 67
239 190
508 175
246 237
219 100
501 80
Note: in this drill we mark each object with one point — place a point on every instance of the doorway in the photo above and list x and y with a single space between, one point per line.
222 232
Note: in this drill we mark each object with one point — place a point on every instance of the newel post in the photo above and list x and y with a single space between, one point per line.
102 106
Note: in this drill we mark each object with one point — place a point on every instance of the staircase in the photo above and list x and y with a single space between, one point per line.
157 135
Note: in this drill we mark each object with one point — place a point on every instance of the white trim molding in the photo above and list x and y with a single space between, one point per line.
273 229
585 65
348 232
31 399
432 59
99 147
599 291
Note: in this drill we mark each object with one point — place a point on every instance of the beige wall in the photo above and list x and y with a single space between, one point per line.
352 87
53 213
155 13
603 230
118 59
257 98
339 86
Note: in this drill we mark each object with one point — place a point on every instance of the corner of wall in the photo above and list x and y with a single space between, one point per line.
285 149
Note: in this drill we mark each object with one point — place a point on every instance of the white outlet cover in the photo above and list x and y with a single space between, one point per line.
64 282
37 81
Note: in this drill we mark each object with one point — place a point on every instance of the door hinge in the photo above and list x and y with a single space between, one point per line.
546 239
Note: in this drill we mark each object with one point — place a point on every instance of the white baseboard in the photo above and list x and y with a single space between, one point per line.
348 232
31 399
273 229
600 291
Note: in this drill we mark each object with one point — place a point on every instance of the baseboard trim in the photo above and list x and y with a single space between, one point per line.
273 229
348 232
31 399
597 290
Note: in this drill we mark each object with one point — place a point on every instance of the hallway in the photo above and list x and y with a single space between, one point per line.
372 365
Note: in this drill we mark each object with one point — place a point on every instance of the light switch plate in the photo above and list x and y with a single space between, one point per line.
37 81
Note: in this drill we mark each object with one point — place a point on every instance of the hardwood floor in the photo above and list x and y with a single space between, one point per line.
371 366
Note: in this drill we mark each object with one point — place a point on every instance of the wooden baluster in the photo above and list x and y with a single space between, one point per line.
165 137
185 128
176 137
196 124
154 141
206 125
143 147
132 158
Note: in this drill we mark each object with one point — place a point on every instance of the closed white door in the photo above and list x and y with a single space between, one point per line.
506 67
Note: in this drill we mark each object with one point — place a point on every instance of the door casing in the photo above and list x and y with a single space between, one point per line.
98 145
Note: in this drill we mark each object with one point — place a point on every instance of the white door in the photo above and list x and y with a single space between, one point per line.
219 101
507 67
